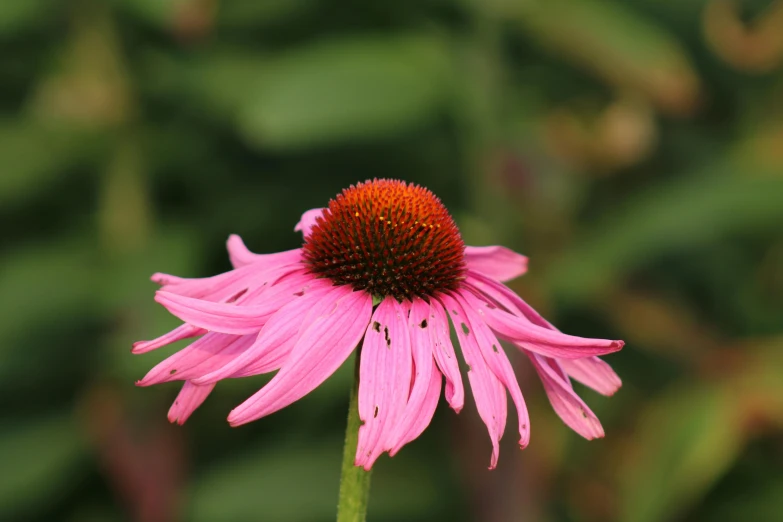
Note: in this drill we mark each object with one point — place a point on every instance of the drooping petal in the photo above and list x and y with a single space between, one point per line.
426 412
384 380
184 331
497 262
545 341
503 295
445 357
230 317
190 397
277 337
308 220
203 287
488 391
566 403
240 256
593 372
320 350
281 280
427 379
167 279
495 357
235 285
213 350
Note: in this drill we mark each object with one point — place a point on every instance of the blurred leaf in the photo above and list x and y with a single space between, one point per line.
170 250
761 503
683 444
260 483
34 155
231 15
760 381
348 89
264 482
41 280
615 42
682 213
158 12
251 13
127 290
16 16
218 83
39 460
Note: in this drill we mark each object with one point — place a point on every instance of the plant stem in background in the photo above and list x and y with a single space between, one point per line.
354 481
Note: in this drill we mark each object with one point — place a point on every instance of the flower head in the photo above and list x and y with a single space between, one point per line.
383 267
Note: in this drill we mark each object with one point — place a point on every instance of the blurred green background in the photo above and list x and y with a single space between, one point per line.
633 149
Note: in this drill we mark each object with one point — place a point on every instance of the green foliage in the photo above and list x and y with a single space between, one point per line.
624 146
42 460
344 90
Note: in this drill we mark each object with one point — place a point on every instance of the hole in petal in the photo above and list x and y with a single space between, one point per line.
376 326
465 329
495 348
423 324
172 372
386 335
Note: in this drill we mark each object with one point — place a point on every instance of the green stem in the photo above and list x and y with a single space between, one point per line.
354 481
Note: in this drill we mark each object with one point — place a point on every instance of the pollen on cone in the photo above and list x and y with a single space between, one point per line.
387 237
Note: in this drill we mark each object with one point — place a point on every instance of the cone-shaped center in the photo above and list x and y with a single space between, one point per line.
389 238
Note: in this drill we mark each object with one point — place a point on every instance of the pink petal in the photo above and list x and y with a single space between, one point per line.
240 256
184 331
590 371
235 284
308 221
384 380
547 342
488 391
497 262
190 397
445 357
566 403
210 351
426 412
503 295
593 372
427 379
281 280
229 319
321 349
203 287
233 318
277 338
167 279
496 359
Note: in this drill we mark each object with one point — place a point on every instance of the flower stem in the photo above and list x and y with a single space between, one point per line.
354 481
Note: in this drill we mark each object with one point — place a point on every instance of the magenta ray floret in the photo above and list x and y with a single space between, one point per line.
303 312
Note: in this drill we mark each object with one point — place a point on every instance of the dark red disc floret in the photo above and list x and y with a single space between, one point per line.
389 238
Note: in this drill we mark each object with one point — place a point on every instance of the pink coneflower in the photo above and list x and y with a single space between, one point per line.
384 268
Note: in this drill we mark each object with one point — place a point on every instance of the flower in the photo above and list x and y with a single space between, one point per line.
383 267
